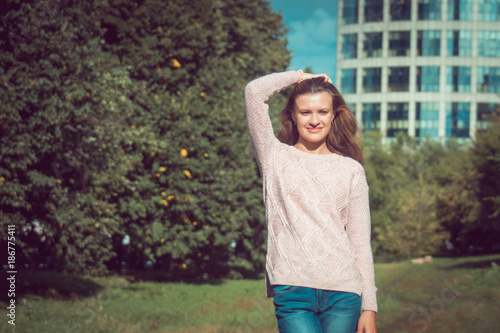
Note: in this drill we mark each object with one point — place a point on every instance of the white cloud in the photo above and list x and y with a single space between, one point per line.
313 42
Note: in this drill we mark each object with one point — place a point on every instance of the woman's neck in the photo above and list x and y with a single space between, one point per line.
313 147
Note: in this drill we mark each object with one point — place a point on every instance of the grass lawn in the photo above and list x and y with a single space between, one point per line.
448 295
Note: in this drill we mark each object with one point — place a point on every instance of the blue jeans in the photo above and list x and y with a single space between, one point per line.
308 310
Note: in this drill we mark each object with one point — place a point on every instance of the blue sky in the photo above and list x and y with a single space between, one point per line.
313 33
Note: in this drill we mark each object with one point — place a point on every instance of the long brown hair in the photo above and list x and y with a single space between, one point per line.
342 138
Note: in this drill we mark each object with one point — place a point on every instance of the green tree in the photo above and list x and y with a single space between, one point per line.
414 229
61 137
195 58
470 198
402 197
486 156
127 117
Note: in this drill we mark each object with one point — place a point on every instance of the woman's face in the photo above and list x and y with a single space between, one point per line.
313 114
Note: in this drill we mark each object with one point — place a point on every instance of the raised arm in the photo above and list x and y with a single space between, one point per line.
257 93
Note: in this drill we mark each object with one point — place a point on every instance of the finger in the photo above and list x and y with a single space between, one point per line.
326 77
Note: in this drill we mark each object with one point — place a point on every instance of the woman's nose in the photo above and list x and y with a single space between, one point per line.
314 120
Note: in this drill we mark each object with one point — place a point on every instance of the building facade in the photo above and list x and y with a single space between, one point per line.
427 68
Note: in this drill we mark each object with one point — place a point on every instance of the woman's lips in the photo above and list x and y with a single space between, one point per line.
315 130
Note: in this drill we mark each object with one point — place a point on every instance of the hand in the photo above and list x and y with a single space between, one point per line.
367 323
306 76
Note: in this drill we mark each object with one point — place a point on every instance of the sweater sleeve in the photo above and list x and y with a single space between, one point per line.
257 93
359 232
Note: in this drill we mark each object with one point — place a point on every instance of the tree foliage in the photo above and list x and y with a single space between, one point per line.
127 118
430 198
402 197
470 201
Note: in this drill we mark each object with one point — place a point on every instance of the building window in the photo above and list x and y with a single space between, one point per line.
459 43
372 78
489 10
371 116
374 10
488 43
399 78
350 12
457 120
372 45
428 43
427 120
399 43
349 46
459 10
429 10
484 112
348 81
428 78
397 118
457 79
352 107
488 79
400 10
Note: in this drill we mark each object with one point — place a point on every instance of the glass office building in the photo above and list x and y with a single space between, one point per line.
426 68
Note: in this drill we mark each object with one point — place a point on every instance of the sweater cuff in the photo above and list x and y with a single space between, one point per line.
369 303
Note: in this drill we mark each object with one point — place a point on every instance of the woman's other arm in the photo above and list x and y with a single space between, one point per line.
359 231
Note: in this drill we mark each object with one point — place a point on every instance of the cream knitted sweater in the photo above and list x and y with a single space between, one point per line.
317 207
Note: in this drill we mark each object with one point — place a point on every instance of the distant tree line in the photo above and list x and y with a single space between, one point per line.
430 198
123 139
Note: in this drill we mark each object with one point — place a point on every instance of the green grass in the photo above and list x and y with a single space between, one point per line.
449 295
412 298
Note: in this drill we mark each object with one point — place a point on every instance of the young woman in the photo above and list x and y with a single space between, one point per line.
319 265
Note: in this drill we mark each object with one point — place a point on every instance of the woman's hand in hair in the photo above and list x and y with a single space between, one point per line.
306 76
